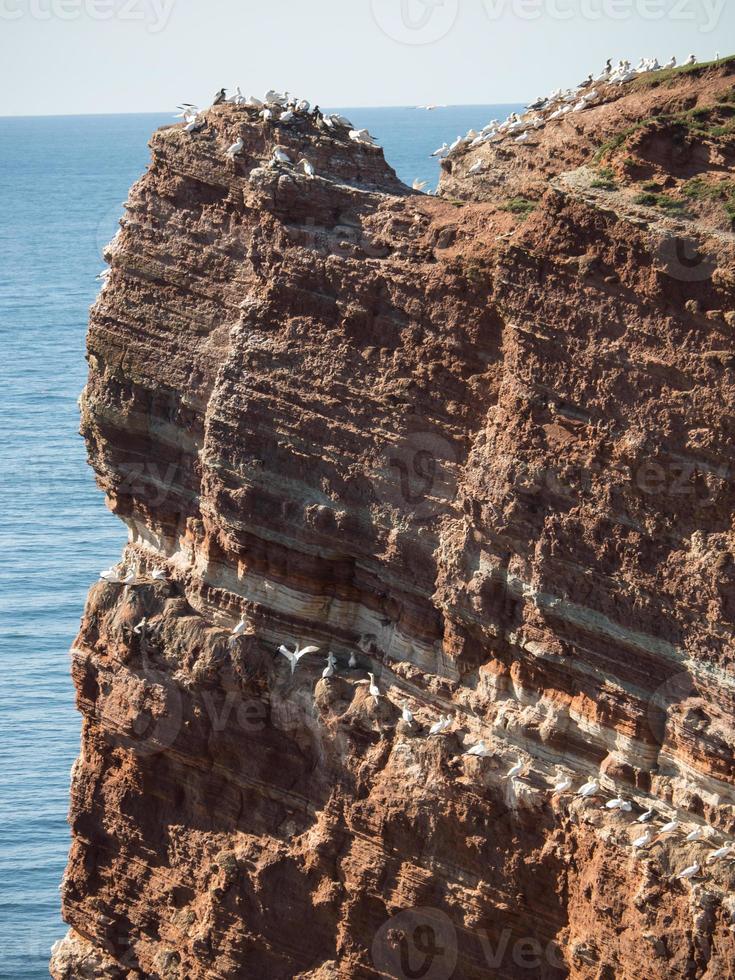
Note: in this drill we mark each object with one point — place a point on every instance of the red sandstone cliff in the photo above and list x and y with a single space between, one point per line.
483 442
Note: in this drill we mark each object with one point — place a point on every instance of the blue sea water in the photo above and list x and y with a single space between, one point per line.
62 181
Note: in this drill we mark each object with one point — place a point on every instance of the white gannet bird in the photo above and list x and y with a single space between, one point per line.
294 657
689 872
272 97
374 690
140 627
195 125
523 138
286 116
562 784
643 841
239 630
353 660
590 788
618 803
406 714
646 817
670 827
479 751
254 102
362 136
720 853
670 64
439 726
238 98
515 770
280 155
237 147
329 670
186 109
344 121
418 185
131 577
442 151
266 114
476 167
111 575
303 105
692 59
696 834
307 166
158 575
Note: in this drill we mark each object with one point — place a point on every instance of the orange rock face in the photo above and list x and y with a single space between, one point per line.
484 456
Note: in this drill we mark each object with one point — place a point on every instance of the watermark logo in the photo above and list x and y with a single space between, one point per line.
154 15
684 259
417 474
416 944
703 15
415 21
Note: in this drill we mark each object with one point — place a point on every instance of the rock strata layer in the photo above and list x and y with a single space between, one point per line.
484 455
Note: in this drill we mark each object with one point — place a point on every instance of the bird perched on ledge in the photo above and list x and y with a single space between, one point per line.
236 148
220 96
643 841
589 789
515 770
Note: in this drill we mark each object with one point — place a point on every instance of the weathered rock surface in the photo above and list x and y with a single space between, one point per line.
489 456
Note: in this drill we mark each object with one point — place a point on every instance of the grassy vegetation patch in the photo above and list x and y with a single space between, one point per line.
654 79
519 205
650 200
698 189
605 181
704 121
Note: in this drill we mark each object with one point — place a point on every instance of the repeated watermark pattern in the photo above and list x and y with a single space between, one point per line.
684 258
416 22
154 15
423 944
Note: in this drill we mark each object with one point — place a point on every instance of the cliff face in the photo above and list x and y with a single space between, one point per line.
487 454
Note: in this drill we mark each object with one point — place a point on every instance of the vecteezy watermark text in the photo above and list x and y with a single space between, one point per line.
417 22
704 13
154 14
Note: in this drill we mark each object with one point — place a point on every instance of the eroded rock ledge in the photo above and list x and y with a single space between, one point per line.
490 456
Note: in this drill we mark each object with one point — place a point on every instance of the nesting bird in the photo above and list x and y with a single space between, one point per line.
439 726
240 630
589 789
720 853
515 770
644 840
236 148
374 690
562 784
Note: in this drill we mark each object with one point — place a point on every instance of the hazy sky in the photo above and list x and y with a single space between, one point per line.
79 56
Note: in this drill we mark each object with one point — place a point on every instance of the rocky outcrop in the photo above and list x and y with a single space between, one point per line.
482 455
